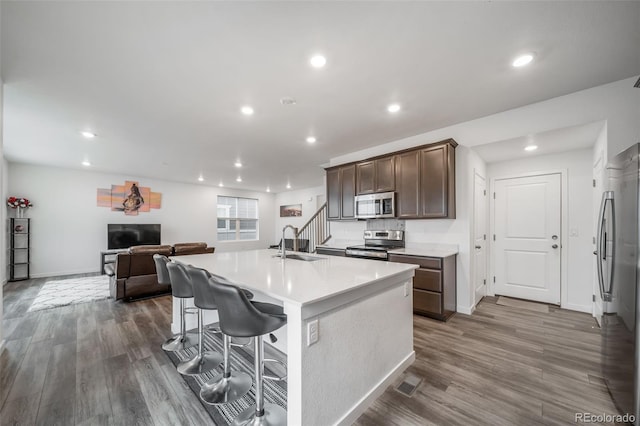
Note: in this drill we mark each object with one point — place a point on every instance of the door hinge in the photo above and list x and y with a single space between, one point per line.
494 237
593 239
494 278
484 237
594 183
593 297
485 192
494 195
484 281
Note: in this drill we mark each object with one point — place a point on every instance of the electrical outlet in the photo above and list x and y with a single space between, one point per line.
313 332
406 289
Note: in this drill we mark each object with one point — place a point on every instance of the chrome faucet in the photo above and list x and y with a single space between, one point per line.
284 245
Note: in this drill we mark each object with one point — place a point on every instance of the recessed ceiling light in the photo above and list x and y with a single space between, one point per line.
220 185
318 61
393 108
268 189
522 60
238 164
531 147
288 186
311 139
200 179
247 110
86 163
238 179
88 135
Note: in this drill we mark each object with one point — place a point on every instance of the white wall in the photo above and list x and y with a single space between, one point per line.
308 197
617 103
69 230
579 166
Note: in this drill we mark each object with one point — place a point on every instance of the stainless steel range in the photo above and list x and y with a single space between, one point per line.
377 244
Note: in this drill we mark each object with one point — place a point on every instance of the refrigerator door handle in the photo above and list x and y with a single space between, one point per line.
601 247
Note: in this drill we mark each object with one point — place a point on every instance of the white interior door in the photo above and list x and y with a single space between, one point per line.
527 226
479 237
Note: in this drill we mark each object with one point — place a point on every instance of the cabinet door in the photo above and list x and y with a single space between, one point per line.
385 174
366 177
348 184
334 195
434 184
407 184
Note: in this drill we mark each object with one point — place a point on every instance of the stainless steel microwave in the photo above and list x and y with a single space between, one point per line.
375 206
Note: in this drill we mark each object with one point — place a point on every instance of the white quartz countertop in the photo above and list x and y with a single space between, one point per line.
427 250
295 281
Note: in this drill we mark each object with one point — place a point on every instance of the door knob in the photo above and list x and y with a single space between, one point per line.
554 237
555 246
478 247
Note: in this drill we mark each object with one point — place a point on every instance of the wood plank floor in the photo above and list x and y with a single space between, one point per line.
101 363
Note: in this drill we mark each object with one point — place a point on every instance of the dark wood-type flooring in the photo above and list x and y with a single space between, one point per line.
101 363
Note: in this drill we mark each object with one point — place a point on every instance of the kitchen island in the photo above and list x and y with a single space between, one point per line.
365 325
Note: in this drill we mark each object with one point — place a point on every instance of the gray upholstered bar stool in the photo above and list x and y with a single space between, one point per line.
240 317
180 289
230 385
203 361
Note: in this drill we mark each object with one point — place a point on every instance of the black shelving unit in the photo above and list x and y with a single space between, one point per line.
19 248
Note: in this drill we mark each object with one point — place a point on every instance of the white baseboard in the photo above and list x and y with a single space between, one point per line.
366 401
579 308
467 310
63 273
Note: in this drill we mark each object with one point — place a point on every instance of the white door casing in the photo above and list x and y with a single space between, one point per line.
527 228
598 176
479 237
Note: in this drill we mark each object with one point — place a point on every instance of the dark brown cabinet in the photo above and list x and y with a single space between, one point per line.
341 191
434 285
408 184
375 176
423 179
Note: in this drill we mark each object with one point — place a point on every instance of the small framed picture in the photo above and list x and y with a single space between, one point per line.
291 210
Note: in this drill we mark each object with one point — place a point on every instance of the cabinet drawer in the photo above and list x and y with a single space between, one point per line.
424 262
428 279
427 301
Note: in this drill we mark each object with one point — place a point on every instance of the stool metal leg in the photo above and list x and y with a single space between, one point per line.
183 340
261 414
226 387
203 361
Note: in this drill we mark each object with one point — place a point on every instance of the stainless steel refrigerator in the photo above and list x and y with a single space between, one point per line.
618 266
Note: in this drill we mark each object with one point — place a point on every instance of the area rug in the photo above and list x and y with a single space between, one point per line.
241 360
523 304
71 291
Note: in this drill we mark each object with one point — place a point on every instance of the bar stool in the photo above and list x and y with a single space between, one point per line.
230 385
202 361
180 289
241 318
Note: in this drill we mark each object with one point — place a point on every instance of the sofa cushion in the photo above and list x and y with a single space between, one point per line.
191 248
163 250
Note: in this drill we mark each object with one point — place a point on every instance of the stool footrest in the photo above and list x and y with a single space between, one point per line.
275 378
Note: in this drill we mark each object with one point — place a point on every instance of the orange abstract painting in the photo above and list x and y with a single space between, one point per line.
129 198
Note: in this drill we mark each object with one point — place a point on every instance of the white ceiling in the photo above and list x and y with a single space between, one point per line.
551 142
162 83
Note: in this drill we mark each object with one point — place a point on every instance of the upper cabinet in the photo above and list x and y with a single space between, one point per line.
375 176
423 179
341 192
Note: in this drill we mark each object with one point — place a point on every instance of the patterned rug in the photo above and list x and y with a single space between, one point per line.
241 360
70 292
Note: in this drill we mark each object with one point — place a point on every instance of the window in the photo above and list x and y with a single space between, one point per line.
237 219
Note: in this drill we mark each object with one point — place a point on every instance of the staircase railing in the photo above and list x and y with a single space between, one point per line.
316 231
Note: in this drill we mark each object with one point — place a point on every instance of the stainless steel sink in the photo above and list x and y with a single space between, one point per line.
301 257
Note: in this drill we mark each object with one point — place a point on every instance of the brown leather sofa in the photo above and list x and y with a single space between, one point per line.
133 276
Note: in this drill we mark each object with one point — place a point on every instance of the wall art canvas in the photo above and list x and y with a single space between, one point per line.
291 210
130 198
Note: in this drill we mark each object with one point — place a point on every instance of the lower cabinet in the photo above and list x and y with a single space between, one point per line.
330 251
434 285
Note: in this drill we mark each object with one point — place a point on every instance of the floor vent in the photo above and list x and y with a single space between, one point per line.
409 385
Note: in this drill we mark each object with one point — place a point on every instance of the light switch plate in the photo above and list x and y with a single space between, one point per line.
313 332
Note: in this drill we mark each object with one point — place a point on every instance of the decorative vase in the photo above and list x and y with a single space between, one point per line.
19 213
